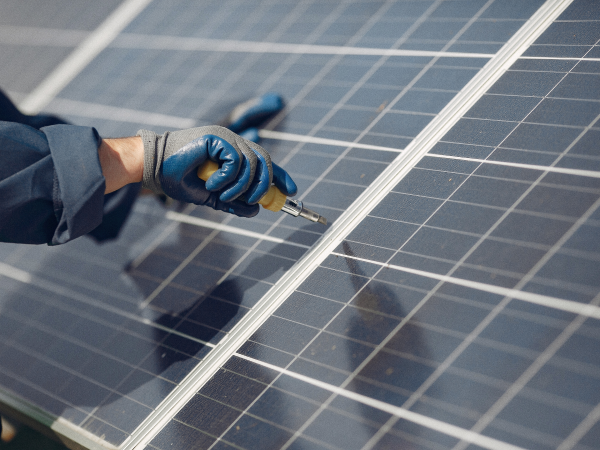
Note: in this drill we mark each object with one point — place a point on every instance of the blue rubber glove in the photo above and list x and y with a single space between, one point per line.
171 161
254 112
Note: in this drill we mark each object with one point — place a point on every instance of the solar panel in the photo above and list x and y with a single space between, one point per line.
455 309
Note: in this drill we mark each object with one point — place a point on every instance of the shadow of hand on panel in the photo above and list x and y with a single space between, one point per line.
391 375
91 356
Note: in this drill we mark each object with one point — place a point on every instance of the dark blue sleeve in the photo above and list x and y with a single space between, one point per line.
51 183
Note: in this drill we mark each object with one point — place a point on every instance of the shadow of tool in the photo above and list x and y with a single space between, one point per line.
392 374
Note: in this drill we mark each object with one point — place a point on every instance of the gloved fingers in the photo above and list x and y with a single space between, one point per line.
230 160
251 134
246 174
175 168
262 178
283 181
238 207
254 112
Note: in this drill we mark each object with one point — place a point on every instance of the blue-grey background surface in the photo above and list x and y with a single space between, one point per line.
76 343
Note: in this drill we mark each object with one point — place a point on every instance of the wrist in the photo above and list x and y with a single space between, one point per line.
122 161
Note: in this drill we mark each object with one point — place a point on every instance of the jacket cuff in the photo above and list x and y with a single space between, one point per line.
79 183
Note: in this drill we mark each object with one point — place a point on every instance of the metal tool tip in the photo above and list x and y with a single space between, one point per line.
322 220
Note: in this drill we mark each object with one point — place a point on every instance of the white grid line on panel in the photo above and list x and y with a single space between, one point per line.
419 419
94 43
454 355
131 442
570 306
506 60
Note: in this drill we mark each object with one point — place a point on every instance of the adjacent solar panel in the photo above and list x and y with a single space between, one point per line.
454 305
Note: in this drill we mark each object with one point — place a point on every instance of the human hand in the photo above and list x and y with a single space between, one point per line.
171 161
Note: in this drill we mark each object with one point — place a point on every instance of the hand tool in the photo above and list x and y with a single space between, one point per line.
274 199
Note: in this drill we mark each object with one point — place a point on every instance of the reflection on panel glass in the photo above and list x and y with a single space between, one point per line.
101 335
519 372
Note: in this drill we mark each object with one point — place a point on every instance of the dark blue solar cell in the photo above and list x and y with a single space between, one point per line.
371 96
122 412
490 192
284 334
565 112
505 257
522 156
385 367
451 313
145 388
529 228
439 30
254 433
581 10
445 78
318 371
592 435
337 352
406 208
333 195
544 65
340 430
358 250
265 353
570 33
281 408
464 217
557 51
388 76
526 83
500 31
558 201
538 416
566 383
579 86
496 363
440 244
402 124
178 435
307 309
427 264
382 232
427 345
207 415
244 390
588 66
503 107
572 269
423 101
361 324
479 132
429 183
585 238
520 332
387 298
356 172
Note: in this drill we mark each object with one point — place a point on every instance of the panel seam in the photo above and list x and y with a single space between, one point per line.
357 211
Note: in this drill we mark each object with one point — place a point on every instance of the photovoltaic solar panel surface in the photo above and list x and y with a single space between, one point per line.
511 370
77 344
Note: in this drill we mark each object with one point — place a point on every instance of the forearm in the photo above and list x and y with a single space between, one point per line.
122 161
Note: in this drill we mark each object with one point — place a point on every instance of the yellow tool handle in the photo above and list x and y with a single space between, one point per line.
273 200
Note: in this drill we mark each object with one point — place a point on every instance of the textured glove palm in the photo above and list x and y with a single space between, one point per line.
172 159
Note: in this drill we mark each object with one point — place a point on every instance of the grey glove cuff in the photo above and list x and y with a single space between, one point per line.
153 156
